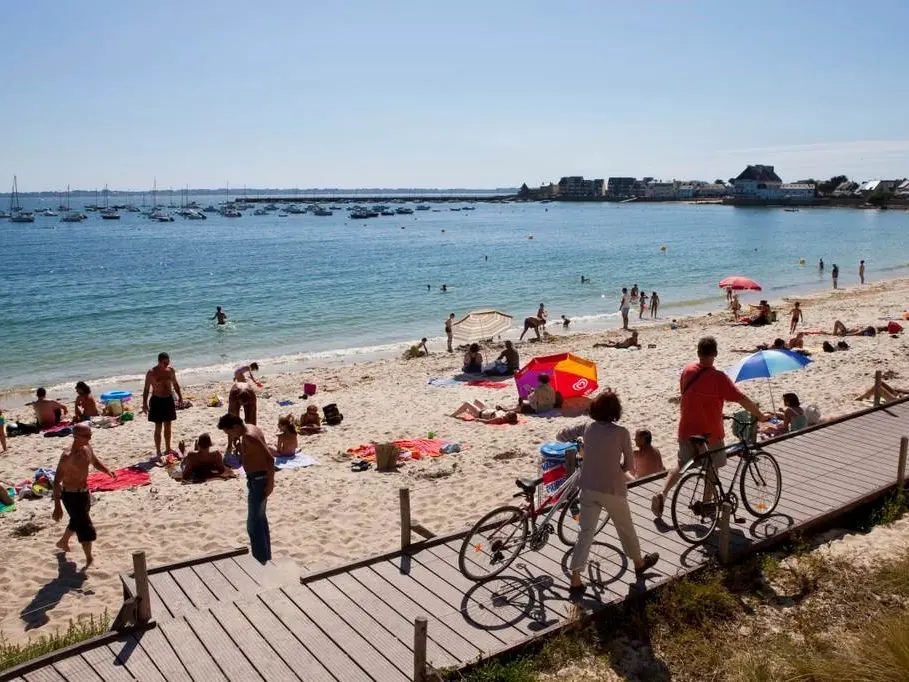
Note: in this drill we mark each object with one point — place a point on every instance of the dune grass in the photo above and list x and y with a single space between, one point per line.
12 654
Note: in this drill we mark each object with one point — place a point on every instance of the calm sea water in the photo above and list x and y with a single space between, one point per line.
101 298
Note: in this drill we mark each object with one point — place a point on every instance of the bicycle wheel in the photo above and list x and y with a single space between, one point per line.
761 484
493 543
570 520
695 507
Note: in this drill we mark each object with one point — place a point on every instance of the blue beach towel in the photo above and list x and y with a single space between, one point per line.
444 382
297 461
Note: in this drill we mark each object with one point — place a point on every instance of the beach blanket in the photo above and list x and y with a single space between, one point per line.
416 448
465 380
9 507
127 477
444 382
297 461
58 427
487 383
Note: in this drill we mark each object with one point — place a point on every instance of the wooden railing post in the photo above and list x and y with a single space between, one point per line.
140 575
901 467
726 512
419 649
404 497
877 387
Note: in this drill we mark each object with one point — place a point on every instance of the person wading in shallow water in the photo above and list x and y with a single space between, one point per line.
71 491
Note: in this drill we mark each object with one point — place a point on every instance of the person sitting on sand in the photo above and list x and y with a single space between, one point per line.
762 316
310 421
792 414
287 436
473 360
507 363
48 412
202 463
647 459
542 399
532 323
630 342
477 411
797 341
86 406
241 373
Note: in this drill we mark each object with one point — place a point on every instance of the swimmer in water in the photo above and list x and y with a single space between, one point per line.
565 322
241 372
444 287
220 316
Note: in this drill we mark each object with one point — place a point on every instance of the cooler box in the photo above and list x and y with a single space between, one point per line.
552 465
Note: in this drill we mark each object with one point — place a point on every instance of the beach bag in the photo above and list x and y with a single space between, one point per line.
386 456
309 389
333 416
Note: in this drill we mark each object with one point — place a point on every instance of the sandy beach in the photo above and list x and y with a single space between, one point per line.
326 514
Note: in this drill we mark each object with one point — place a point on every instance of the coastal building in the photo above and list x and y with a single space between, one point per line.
712 190
621 187
661 191
759 185
845 188
576 187
902 189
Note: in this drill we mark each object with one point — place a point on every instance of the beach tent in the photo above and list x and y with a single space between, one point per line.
569 374
481 324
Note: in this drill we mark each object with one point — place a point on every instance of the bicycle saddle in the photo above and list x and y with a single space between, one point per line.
528 485
698 440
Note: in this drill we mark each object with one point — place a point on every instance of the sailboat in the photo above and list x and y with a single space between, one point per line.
109 213
16 214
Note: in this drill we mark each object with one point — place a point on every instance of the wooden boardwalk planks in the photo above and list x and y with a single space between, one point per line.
230 617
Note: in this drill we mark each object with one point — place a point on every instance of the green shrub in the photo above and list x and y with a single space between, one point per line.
517 670
78 631
698 602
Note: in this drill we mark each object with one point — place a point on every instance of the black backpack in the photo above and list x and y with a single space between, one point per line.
332 416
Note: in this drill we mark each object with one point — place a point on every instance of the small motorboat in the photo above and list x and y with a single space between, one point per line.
404 210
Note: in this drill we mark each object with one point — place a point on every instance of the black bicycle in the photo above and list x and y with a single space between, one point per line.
699 495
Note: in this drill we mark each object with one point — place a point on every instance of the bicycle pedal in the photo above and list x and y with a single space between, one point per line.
739 519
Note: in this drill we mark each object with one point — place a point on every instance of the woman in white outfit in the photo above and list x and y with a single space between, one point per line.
608 454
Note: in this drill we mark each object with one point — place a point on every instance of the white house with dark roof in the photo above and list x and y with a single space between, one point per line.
759 184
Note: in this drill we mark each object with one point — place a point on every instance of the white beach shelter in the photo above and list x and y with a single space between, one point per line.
481 324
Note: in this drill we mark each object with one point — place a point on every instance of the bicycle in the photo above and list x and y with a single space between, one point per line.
699 495
496 540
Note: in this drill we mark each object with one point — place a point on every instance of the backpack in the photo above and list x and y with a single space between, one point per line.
332 416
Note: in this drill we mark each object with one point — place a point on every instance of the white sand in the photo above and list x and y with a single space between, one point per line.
327 515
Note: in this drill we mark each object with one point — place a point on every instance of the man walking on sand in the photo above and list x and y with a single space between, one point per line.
449 332
71 491
861 272
625 306
704 390
259 465
161 381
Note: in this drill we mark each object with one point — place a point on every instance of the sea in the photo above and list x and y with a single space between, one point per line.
98 300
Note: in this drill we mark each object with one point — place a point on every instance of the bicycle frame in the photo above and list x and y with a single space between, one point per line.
553 501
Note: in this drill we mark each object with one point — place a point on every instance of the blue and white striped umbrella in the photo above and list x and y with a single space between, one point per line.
767 363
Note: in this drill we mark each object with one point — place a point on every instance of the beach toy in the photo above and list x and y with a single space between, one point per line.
449 448
115 402
127 417
431 434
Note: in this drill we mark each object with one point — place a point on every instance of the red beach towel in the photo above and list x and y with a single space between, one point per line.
126 478
486 383
419 447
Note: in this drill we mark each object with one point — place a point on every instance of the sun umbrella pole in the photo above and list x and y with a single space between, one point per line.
770 388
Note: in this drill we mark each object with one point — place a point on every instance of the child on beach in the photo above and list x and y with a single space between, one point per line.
643 305
2 430
310 421
796 316
287 435
654 304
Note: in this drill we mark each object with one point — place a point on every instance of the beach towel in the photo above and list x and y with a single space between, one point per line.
444 382
297 461
9 507
486 383
233 461
127 477
285 403
416 448
58 427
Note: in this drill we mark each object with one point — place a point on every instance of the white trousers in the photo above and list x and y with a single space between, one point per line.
592 503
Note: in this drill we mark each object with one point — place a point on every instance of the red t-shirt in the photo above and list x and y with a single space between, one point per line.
702 404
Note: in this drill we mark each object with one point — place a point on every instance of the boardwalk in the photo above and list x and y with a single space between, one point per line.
228 618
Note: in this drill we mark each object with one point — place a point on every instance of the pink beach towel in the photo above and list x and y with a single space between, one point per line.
486 383
418 447
126 478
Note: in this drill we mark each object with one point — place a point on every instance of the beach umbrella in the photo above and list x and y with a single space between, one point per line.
481 324
739 283
765 364
569 374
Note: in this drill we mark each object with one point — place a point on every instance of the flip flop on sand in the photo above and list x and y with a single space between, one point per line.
360 465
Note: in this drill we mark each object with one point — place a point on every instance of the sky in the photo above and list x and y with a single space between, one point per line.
341 94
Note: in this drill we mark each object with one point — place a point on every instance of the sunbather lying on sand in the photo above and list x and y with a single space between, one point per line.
778 344
630 342
203 462
477 411
888 393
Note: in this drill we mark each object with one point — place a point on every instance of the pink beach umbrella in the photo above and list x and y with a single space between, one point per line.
740 283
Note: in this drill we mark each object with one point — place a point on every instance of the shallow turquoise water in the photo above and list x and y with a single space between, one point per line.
102 298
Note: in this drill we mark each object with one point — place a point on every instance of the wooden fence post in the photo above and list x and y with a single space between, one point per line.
419 649
726 511
404 496
140 575
877 388
901 468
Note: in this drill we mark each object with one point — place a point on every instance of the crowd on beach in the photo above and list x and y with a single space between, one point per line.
612 456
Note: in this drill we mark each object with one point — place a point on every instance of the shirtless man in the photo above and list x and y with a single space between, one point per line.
220 316
449 332
161 381
71 491
259 464
48 412
532 323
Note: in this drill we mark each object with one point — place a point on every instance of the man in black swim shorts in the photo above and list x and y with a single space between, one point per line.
161 382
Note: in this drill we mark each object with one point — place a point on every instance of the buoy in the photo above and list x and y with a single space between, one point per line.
443 230
663 248
801 261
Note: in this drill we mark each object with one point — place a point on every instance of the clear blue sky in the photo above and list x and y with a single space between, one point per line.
468 94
